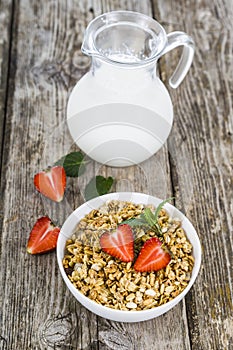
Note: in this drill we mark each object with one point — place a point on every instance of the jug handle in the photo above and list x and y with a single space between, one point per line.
174 40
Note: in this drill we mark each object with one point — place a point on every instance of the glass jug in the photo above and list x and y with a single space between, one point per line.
120 113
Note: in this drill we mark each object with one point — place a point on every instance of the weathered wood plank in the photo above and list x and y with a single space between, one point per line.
43 77
38 312
6 9
202 133
46 47
153 177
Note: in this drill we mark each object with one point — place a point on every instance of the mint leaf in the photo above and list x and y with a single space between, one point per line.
149 216
160 206
98 186
73 163
135 222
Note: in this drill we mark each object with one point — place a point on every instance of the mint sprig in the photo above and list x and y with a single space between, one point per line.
148 219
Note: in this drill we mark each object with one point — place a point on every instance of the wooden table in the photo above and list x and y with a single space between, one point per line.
40 63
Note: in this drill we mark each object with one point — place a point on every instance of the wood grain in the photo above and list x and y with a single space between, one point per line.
46 48
37 310
39 313
202 139
6 9
6 18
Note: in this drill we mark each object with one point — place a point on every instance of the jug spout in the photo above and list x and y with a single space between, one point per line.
88 46
85 48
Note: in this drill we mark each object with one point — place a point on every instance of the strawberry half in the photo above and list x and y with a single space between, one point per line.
152 257
119 243
43 236
51 183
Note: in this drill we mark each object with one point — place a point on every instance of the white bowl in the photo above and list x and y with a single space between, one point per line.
120 315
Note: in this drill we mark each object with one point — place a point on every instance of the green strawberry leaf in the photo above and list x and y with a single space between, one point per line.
73 163
98 186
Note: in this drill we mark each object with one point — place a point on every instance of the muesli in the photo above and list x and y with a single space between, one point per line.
115 283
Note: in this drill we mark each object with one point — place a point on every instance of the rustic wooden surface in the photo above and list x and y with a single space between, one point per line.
40 63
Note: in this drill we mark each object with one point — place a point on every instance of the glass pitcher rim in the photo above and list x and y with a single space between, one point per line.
89 48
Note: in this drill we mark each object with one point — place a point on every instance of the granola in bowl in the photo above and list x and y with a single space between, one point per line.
114 283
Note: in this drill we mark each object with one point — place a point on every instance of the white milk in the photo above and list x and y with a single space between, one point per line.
119 116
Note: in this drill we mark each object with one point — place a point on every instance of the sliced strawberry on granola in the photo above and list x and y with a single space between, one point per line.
51 183
43 236
152 256
119 243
